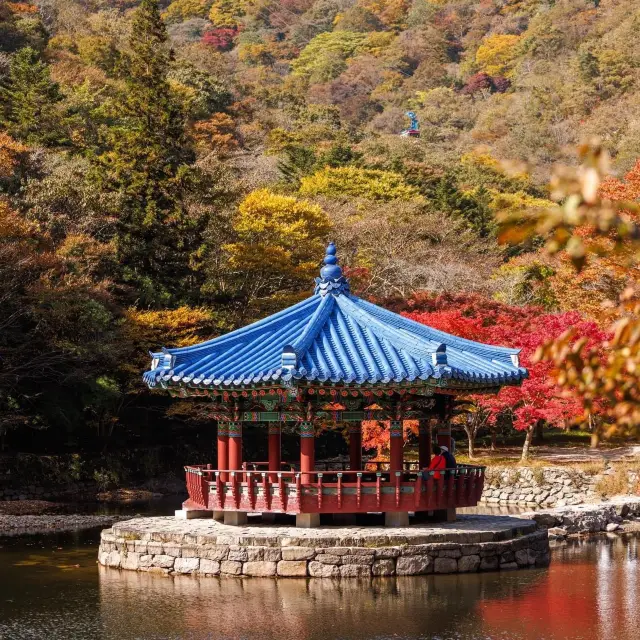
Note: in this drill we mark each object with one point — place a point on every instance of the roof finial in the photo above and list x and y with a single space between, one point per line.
332 268
331 279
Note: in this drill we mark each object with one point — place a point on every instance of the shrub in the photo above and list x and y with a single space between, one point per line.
324 58
371 184
497 53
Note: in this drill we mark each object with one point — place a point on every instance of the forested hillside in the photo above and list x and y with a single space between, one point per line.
172 170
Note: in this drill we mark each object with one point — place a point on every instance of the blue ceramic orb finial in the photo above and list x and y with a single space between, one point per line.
331 269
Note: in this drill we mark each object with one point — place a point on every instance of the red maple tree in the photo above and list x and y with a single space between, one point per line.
220 38
538 399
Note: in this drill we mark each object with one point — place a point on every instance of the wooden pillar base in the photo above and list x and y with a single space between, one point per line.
235 518
396 519
218 515
190 514
445 515
307 520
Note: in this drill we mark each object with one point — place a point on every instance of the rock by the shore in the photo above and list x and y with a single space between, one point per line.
14 525
30 507
606 516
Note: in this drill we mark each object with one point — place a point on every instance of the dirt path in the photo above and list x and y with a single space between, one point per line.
558 455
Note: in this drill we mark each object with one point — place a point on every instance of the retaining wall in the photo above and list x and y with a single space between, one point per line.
169 552
552 486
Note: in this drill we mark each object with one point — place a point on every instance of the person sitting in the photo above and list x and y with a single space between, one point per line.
438 463
449 459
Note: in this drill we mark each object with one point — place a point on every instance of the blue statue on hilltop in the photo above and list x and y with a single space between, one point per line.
414 126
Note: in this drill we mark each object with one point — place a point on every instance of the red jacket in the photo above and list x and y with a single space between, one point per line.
438 463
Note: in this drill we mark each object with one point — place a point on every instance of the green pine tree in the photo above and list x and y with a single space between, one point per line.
473 208
30 97
147 160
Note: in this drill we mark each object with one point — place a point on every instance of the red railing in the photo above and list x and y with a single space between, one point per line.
336 465
333 491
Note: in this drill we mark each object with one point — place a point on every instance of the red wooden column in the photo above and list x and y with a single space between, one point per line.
235 445
223 448
355 448
396 444
307 451
444 427
444 435
274 450
424 443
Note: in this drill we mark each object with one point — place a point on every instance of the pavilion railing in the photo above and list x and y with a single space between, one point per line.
332 465
333 491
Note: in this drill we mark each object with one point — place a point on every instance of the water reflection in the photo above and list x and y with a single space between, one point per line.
590 592
308 609
52 588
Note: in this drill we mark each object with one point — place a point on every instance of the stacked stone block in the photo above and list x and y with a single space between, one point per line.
288 557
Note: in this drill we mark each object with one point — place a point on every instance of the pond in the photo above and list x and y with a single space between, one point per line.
52 588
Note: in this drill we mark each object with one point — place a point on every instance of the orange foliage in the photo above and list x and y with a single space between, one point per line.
375 435
627 189
21 7
604 277
392 13
216 134
10 153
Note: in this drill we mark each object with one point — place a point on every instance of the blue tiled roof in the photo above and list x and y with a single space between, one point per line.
335 336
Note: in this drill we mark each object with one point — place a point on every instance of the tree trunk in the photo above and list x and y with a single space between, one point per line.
595 433
470 431
527 443
494 439
538 432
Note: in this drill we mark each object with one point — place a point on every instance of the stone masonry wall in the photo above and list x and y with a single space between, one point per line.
545 487
173 558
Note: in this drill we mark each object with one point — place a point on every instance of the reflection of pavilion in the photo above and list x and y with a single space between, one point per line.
332 359
143 605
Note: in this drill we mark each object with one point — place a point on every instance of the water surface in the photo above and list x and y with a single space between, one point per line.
52 588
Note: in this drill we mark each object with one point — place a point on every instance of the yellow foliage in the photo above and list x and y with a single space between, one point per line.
371 184
278 235
181 10
497 54
392 13
481 159
377 42
178 327
517 202
255 53
227 13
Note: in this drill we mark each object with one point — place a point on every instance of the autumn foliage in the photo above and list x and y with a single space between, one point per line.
538 398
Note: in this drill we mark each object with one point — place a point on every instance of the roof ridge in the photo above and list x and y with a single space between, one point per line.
302 343
425 330
404 342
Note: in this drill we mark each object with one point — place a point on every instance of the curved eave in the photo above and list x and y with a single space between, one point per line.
336 339
458 379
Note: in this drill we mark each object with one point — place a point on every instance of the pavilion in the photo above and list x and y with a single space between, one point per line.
332 359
